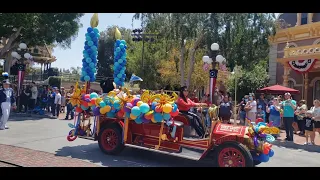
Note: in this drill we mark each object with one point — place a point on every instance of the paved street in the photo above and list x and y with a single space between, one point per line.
49 136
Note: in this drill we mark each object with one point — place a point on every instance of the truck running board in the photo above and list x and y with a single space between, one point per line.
186 153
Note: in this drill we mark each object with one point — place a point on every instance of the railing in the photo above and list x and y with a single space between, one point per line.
302 51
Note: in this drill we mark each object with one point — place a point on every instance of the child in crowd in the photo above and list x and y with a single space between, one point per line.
261 114
309 128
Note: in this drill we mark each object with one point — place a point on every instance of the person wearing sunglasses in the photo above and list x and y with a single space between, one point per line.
184 106
289 105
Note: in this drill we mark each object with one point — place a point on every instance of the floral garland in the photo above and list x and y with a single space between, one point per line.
302 66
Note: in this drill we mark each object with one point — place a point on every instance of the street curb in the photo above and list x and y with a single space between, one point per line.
25 157
292 145
30 115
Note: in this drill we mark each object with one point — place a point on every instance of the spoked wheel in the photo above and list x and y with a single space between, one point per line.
233 154
110 140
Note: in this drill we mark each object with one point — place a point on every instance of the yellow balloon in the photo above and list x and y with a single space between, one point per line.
102 111
152 120
167 108
133 117
139 103
98 100
94 20
117 34
107 108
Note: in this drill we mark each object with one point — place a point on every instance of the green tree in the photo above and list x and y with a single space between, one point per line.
106 50
249 81
37 29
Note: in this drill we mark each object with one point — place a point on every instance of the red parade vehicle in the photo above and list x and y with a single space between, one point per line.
225 146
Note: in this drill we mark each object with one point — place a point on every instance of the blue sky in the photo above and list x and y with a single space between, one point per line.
72 57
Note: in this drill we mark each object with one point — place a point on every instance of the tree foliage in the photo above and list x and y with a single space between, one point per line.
248 80
243 40
38 29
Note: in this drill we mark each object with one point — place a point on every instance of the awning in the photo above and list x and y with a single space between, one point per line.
277 89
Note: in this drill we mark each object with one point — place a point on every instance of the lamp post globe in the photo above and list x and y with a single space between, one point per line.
219 58
22 46
215 47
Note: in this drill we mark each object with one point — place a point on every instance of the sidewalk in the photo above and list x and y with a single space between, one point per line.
18 156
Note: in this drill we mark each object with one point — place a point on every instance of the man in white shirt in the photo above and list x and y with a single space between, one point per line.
34 95
57 102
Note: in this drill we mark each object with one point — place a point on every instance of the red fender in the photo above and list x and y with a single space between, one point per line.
71 138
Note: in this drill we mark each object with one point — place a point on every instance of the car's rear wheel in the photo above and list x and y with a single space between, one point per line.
233 154
110 139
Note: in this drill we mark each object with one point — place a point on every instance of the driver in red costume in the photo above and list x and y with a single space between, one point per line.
184 105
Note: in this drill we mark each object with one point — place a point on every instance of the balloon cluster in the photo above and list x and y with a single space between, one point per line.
120 62
90 53
260 138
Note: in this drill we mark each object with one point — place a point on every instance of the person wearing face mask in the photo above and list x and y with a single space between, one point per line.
251 108
7 101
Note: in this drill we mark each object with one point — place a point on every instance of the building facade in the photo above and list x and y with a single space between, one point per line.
294 57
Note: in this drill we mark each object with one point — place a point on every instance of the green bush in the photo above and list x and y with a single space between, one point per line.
55 81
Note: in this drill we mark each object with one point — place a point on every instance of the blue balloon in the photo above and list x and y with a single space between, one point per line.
111 114
153 105
96 30
121 46
88 38
84 108
93 56
89 30
123 76
94 48
118 42
94 95
86 47
271 153
86 78
82 78
98 35
175 107
116 79
91 65
95 70
116 104
157 117
116 64
144 108
84 64
138 120
90 43
92 34
120 61
263 157
89 50
88 60
94 39
118 49
119 76
83 73
125 46
166 116
123 42
102 104
85 55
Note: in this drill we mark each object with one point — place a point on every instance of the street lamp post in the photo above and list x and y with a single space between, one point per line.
22 57
235 73
138 35
213 73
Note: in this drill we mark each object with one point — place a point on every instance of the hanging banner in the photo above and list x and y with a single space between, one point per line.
213 79
302 66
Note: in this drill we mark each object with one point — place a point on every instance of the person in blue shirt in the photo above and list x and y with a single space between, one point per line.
7 101
289 105
274 111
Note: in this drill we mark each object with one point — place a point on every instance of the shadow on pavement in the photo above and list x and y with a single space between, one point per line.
292 145
130 157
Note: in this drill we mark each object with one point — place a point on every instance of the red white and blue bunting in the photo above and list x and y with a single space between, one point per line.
302 66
